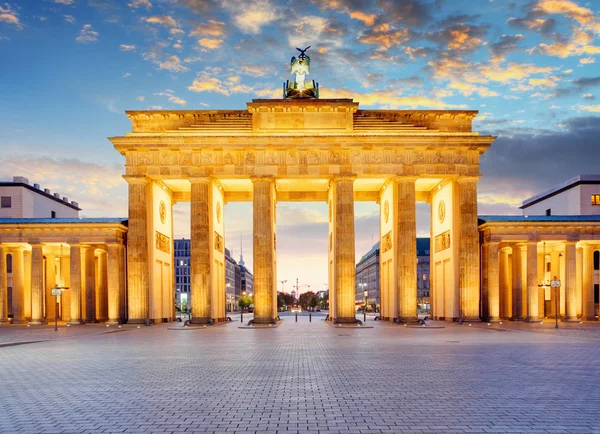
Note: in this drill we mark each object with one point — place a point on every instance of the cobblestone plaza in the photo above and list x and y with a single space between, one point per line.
304 377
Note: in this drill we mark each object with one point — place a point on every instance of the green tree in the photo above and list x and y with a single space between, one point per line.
304 298
244 302
312 302
280 301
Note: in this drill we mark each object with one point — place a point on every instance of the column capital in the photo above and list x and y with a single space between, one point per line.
465 179
131 179
405 178
341 178
199 179
262 178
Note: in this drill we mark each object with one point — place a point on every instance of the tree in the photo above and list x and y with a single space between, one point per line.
280 301
304 297
312 302
244 302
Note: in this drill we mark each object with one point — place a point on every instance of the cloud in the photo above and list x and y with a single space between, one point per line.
172 98
10 16
164 20
507 44
255 70
206 81
367 19
140 3
87 35
462 37
173 64
140 98
126 75
70 19
384 36
209 28
210 44
386 99
250 16
412 13
524 161
587 60
125 47
577 86
589 108
65 2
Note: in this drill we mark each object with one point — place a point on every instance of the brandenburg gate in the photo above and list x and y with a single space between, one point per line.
303 150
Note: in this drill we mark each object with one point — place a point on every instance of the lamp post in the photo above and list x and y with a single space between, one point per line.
555 283
242 307
57 292
366 294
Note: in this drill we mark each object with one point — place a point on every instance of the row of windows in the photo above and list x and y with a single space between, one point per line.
6 202
595 199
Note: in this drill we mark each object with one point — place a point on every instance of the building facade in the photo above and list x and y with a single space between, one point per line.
181 251
577 196
368 276
19 199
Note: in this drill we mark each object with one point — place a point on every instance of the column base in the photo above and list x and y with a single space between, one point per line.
37 322
470 319
76 322
19 321
570 319
201 321
589 318
494 319
2 321
516 318
91 321
532 319
344 320
144 321
113 322
407 320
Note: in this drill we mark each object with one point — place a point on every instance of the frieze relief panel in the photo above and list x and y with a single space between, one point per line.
218 242
442 241
386 242
163 243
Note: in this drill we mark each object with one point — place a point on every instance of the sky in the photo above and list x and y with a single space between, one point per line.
70 69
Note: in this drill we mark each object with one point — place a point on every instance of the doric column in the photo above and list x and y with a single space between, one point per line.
505 285
75 283
123 290
588 312
493 280
554 272
406 248
532 282
517 286
264 248
570 281
90 285
18 287
37 285
113 283
27 284
468 249
3 287
344 264
101 290
50 270
579 266
200 251
137 251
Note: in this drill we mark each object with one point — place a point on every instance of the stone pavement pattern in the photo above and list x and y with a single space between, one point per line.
302 378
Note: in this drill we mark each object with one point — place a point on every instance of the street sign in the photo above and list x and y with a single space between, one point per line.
555 283
56 291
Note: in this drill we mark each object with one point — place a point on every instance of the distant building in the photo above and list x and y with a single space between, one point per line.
18 199
576 196
237 277
182 273
367 275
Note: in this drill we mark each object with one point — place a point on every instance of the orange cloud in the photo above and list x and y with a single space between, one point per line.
384 37
8 15
87 35
367 19
210 44
388 100
173 64
209 28
164 20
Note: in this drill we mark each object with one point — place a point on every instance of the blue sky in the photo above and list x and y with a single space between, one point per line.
70 68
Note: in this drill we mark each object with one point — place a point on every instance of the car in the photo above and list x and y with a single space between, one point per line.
296 309
317 310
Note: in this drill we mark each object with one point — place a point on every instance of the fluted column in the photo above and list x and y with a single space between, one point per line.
264 248
344 264
468 249
90 285
37 285
113 283
3 287
123 290
27 284
102 290
406 248
532 282
570 281
137 252
18 287
517 284
200 251
493 273
50 282
505 285
75 283
588 284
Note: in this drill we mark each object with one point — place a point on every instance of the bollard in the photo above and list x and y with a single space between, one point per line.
296 316
310 317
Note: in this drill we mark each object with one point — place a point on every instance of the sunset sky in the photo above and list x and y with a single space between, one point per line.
70 69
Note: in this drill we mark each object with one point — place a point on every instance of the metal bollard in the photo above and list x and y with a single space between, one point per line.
310 317
296 316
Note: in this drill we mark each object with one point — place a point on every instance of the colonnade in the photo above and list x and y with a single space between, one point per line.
516 277
94 275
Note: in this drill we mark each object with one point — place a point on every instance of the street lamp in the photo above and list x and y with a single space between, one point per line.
242 307
366 294
555 283
58 290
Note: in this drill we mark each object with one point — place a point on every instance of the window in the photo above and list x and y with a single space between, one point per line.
424 276
6 202
53 214
595 200
596 260
549 211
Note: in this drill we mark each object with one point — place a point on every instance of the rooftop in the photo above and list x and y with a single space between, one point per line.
538 218
580 179
93 220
